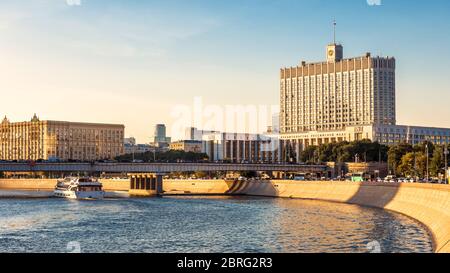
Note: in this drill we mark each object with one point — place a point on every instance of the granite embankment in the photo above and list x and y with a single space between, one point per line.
427 203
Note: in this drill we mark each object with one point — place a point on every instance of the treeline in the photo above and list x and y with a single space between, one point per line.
403 159
169 156
408 160
364 151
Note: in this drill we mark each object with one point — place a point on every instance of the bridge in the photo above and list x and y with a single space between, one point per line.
156 167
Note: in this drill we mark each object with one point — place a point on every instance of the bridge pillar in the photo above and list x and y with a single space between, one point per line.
146 184
238 152
297 150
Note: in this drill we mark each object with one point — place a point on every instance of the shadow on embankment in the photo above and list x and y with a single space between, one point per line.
374 194
251 187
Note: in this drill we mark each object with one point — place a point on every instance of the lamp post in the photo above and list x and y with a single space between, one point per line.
426 150
446 152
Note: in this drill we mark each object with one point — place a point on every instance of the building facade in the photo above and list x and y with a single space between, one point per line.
59 140
345 100
384 134
188 146
129 141
242 148
160 139
137 148
337 93
192 133
160 135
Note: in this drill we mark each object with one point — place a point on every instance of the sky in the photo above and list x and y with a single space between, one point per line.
138 62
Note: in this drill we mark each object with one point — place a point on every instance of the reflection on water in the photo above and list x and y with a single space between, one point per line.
203 224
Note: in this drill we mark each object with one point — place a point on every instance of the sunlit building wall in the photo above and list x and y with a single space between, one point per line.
60 140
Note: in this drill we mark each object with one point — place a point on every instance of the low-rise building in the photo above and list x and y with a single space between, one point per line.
60 140
384 134
240 147
193 146
137 148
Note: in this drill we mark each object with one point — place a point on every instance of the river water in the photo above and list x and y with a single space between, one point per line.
204 224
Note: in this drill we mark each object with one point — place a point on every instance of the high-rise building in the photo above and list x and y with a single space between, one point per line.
160 133
59 140
337 93
160 138
344 100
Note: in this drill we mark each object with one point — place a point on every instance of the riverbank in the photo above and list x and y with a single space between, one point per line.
427 203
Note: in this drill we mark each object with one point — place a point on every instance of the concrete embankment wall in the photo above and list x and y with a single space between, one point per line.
429 204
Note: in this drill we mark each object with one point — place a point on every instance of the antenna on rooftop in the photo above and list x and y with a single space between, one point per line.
334 31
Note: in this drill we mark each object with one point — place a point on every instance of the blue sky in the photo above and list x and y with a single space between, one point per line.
131 61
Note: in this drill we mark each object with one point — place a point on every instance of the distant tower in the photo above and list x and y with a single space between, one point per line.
160 133
160 138
335 52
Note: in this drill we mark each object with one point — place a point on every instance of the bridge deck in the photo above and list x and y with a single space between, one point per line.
155 167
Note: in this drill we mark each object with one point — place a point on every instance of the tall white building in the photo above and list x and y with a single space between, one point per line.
337 93
344 100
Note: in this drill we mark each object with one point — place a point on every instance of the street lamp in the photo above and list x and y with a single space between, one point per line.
426 150
446 152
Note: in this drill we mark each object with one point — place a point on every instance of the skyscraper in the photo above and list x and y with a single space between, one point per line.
337 93
160 136
345 100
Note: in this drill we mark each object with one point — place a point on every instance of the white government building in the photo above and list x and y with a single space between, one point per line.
331 101
345 100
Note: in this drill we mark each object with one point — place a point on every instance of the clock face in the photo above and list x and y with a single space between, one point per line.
330 53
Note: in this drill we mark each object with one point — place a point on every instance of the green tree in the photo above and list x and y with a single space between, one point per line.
201 174
396 153
412 164
422 147
437 161
345 152
170 156
249 174
308 154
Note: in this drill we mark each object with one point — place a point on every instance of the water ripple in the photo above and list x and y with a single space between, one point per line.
204 224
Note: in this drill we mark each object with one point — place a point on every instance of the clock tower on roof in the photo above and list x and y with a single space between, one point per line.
335 52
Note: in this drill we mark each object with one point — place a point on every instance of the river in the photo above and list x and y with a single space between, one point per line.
205 225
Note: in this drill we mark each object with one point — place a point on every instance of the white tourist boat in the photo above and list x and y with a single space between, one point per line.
79 188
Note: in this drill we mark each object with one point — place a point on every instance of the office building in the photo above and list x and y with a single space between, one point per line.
188 146
345 100
59 140
160 139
